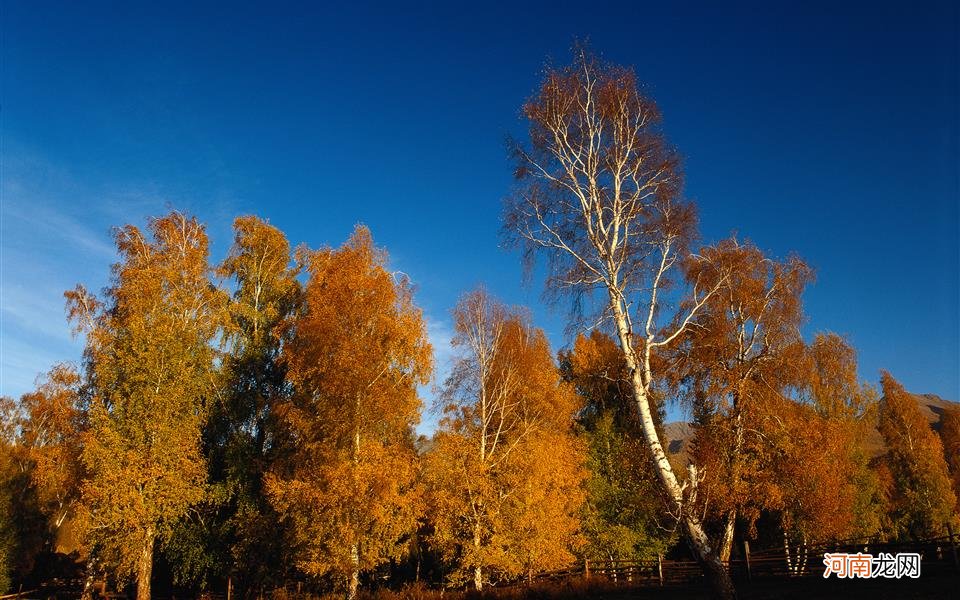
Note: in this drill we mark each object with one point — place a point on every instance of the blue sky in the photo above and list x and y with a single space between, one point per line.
807 127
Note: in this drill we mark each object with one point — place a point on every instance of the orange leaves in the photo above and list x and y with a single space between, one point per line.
149 359
355 356
360 339
504 472
52 433
921 495
950 435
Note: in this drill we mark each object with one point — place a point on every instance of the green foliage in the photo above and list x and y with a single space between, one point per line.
235 530
620 515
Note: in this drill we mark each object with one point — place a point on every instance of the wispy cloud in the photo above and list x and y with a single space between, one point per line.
440 332
34 219
54 233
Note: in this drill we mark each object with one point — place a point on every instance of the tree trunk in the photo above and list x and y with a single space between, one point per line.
477 570
726 542
786 553
713 569
145 566
88 580
354 583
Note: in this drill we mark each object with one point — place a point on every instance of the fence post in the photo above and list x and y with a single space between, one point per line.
953 546
660 568
586 568
746 558
229 586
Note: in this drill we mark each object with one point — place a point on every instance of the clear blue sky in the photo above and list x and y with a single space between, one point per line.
829 131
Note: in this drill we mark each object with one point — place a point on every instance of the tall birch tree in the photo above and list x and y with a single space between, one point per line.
505 470
744 351
600 195
355 356
150 366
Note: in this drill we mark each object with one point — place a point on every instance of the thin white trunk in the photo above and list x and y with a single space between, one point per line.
354 583
726 541
145 566
477 571
715 571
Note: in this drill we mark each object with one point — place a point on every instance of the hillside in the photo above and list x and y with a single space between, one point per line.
679 434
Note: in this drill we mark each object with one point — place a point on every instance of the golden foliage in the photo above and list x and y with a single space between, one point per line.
355 357
950 435
919 489
504 472
52 434
150 362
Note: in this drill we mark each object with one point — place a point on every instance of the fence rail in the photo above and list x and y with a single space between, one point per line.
939 556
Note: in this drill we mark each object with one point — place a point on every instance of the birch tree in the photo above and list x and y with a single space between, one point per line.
356 353
832 387
921 498
599 195
505 471
236 529
744 351
150 365
52 434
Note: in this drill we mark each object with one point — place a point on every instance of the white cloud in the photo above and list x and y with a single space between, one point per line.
440 332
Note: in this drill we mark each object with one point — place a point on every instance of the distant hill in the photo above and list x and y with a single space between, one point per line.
679 434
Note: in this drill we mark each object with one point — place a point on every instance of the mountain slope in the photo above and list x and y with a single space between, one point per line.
680 434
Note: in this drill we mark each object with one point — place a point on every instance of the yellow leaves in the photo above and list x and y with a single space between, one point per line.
921 495
355 356
52 434
504 472
267 288
150 361
360 336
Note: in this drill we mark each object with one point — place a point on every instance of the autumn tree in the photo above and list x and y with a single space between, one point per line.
51 433
600 195
832 387
238 530
39 470
9 416
504 470
950 436
804 416
812 488
921 497
150 364
741 354
622 514
355 356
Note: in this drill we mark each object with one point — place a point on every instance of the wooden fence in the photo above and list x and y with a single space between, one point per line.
939 557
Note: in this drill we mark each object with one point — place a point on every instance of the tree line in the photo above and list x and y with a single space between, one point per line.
255 418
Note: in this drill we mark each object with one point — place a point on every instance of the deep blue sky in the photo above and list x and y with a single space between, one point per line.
806 127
